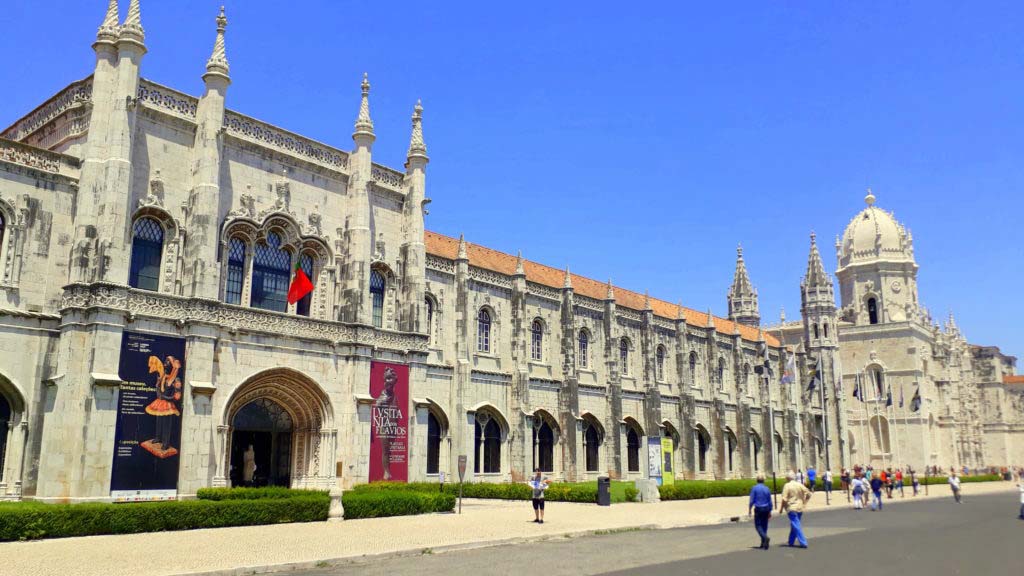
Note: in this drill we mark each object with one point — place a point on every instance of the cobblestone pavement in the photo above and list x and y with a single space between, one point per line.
257 549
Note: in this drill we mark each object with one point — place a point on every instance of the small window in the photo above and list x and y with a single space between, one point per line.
659 364
271 275
872 311
537 341
377 286
147 250
236 272
693 368
816 336
584 346
483 331
429 304
825 329
3 228
303 305
721 372
624 355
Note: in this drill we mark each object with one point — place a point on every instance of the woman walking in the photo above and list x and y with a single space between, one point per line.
858 493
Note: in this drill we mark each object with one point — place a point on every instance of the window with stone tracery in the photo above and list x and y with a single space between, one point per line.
537 340
624 355
302 306
583 354
483 331
271 268
659 364
236 272
377 286
147 252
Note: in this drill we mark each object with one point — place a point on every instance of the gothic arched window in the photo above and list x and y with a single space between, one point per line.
433 443
302 306
584 350
377 285
693 368
824 327
624 355
872 311
659 364
591 446
271 274
147 250
236 272
488 448
429 303
537 340
544 446
483 331
815 331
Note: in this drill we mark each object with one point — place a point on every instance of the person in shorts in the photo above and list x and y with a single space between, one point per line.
538 484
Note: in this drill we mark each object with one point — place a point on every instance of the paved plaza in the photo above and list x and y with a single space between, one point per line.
261 549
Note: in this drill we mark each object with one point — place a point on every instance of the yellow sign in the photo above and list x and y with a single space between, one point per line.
668 473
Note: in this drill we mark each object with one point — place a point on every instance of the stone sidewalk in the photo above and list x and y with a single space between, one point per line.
283 547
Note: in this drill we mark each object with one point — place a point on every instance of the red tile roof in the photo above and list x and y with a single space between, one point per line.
482 257
1013 379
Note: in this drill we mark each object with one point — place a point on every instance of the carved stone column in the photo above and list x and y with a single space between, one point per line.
221 448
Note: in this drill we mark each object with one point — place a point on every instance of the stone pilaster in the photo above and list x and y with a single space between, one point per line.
355 297
519 391
568 395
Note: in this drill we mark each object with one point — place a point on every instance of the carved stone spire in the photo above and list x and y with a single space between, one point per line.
109 29
647 301
364 125
463 253
131 29
416 146
711 319
218 62
681 314
816 275
610 292
742 298
520 271
568 279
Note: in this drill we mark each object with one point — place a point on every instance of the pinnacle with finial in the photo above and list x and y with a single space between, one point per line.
416 146
108 29
870 198
568 278
711 319
782 314
647 300
610 292
131 29
520 271
218 62
681 313
364 125
463 253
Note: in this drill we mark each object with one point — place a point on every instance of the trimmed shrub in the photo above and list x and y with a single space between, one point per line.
270 492
392 502
30 520
560 492
631 493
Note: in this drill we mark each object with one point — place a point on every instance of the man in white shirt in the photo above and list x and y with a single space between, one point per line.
826 479
954 484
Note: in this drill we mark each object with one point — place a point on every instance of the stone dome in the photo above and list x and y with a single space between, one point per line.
874 235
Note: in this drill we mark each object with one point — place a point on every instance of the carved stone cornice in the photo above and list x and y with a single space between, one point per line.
76 94
39 159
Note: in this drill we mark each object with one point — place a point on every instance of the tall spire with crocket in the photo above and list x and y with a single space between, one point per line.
742 298
132 27
364 125
416 146
109 29
218 62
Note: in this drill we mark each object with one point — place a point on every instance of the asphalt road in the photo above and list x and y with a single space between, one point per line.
933 537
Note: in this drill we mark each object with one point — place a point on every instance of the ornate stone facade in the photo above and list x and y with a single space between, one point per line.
515 364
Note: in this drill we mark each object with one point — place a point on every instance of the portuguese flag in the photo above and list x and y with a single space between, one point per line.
300 285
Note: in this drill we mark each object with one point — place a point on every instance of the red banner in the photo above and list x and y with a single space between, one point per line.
389 422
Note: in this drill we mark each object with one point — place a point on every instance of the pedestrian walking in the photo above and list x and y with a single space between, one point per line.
761 506
954 484
539 484
826 481
876 491
914 481
858 493
844 477
812 477
899 482
794 498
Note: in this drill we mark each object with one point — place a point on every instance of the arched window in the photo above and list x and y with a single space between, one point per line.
302 306
147 250
872 311
721 372
591 446
543 446
433 443
624 355
755 450
488 447
693 368
633 449
703 445
537 341
428 302
582 358
815 331
483 331
236 272
730 445
824 327
377 285
271 274
659 364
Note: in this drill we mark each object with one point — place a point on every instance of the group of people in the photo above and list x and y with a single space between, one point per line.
795 496
861 480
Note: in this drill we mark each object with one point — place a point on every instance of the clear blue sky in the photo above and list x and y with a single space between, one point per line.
637 141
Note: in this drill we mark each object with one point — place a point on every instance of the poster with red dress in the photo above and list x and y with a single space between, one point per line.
389 422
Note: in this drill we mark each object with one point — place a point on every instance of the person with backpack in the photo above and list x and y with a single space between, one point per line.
876 490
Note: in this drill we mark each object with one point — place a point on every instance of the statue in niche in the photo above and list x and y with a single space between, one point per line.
248 465
379 252
315 222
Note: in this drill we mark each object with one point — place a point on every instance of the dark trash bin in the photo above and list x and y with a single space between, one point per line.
604 491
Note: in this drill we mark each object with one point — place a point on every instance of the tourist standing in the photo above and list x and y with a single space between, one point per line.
876 491
794 497
954 484
761 506
899 482
539 485
914 481
858 493
812 477
826 480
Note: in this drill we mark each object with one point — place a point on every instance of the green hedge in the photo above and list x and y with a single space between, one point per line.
697 489
585 492
271 492
377 504
30 520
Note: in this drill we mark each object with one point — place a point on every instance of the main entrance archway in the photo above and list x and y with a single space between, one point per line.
287 420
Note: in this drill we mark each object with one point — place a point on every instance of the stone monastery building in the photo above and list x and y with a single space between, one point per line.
127 207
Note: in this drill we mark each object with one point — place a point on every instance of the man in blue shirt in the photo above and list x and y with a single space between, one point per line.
812 477
761 505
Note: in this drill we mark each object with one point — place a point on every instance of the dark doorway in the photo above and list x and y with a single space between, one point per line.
5 417
544 447
267 427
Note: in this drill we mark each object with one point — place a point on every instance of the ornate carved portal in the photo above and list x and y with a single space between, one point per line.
313 437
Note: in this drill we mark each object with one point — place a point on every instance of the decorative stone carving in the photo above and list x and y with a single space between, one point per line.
387 177
266 135
75 94
167 100
155 198
247 208
316 222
